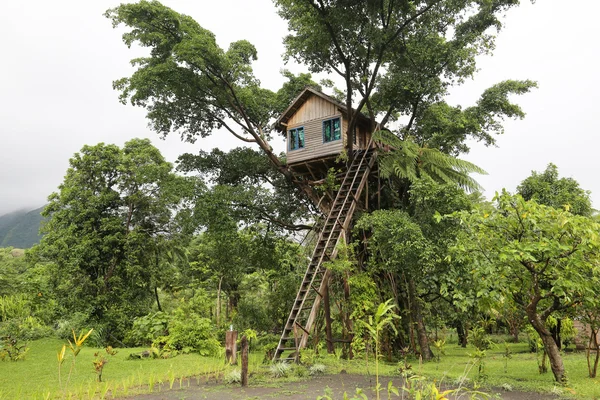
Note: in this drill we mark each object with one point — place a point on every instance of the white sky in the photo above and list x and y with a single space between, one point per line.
59 59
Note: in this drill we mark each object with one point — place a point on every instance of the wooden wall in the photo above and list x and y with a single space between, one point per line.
311 116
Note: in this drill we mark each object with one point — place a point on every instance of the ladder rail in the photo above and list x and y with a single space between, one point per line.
338 221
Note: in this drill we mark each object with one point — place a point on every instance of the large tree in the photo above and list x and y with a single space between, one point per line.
548 189
538 258
111 221
397 59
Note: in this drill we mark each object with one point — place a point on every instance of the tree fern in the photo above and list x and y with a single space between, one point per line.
408 160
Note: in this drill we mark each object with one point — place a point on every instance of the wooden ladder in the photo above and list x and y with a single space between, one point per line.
306 306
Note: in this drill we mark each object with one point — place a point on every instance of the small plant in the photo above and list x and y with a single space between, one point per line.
478 357
418 388
75 348
507 356
11 349
440 347
384 317
280 370
269 350
234 376
99 361
308 356
316 369
300 371
480 339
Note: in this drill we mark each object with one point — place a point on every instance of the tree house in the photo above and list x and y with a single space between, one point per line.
315 126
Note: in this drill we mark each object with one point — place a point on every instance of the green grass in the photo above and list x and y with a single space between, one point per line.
522 372
37 376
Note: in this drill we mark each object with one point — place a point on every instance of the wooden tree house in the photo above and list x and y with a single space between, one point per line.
315 126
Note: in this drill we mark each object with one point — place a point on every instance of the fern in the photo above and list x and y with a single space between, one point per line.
407 160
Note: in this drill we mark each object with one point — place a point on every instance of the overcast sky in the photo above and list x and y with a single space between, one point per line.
59 59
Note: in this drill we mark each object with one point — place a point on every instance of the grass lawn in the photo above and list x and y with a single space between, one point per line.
37 376
521 372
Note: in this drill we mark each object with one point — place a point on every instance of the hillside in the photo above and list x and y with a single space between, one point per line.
20 228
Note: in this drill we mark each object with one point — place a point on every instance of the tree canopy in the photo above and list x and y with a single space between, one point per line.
537 257
548 189
113 215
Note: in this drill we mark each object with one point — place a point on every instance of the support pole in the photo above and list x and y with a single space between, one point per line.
231 347
244 361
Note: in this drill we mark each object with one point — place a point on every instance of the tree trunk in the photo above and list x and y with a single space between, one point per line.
556 363
592 369
218 310
462 334
417 314
157 300
515 333
244 361
556 333
346 316
327 312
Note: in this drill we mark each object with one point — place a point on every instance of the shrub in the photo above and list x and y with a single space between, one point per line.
28 328
234 376
147 328
193 332
280 370
317 369
76 321
11 349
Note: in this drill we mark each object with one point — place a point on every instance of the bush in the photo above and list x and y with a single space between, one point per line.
234 376
76 321
280 370
28 328
317 369
147 328
14 306
193 332
11 349
480 339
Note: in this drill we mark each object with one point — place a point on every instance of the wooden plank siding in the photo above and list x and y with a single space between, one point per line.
314 108
310 116
313 142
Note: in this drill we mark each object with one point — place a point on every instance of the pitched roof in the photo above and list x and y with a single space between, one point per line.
281 122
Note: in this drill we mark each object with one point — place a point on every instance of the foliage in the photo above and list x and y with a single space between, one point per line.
147 328
280 370
233 376
100 361
409 161
539 258
480 339
382 318
548 189
192 332
110 224
316 369
12 349
246 188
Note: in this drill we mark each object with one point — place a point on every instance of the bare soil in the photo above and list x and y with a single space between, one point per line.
308 389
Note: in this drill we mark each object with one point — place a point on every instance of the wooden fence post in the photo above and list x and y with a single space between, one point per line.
231 347
244 361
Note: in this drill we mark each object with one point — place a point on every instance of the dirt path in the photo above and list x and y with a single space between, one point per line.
304 390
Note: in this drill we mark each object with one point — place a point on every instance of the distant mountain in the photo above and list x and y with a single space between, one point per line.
20 228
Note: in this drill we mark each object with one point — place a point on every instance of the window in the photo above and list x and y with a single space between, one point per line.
297 138
332 130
